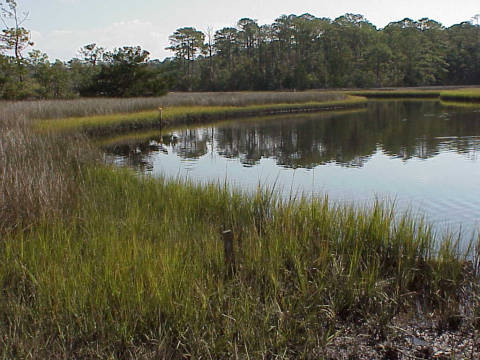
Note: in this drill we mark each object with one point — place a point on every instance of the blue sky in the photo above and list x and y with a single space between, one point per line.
60 27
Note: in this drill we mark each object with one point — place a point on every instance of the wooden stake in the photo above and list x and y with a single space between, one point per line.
229 254
160 112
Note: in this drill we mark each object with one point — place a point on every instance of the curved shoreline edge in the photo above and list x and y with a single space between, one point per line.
177 116
460 96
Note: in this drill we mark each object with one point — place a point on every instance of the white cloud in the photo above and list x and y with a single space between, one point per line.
69 1
35 35
60 32
157 34
64 44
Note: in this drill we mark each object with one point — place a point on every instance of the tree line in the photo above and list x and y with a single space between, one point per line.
294 52
306 52
124 72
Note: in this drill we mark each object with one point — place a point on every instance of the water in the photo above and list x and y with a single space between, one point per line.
417 154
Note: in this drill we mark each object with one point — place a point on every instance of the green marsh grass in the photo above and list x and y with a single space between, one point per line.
180 115
97 262
386 94
458 95
466 95
467 105
140 268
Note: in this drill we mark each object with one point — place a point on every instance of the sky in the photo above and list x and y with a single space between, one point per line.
61 27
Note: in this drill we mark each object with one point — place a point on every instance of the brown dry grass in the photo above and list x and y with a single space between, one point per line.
36 171
52 109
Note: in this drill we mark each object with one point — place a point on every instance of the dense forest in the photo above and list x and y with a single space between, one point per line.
305 52
294 52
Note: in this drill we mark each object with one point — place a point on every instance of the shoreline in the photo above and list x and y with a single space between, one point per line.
178 116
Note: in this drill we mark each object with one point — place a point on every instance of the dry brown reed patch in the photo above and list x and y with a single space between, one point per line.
36 171
54 109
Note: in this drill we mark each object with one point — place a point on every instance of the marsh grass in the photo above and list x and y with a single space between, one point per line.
96 262
57 109
249 98
390 94
459 95
467 95
176 116
36 171
141 266
467 105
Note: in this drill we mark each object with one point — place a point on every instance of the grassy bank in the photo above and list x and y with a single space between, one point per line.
96 262
83 107
181 115
466 105
392 94
470 95
459 95
139 269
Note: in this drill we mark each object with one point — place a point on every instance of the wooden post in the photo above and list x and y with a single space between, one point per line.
229 254
160 112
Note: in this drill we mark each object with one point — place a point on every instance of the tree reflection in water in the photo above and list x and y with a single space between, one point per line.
401 129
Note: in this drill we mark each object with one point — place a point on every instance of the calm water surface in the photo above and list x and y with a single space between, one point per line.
421 155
